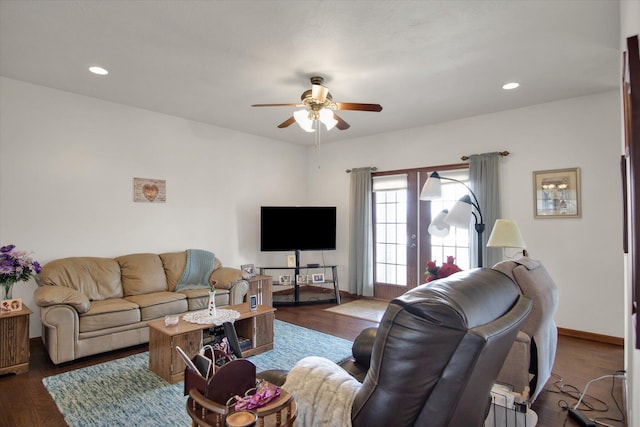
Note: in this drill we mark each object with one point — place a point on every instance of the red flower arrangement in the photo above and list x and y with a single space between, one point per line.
434 272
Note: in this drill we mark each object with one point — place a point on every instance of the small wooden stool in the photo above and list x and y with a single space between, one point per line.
280 412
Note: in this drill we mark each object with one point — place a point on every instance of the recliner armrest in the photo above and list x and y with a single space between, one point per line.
358 365
363 346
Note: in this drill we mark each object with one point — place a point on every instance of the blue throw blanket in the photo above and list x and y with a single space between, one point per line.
200 265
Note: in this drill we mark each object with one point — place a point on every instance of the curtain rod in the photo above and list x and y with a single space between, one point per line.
502 153
373 168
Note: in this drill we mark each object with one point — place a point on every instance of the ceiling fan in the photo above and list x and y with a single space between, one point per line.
318 107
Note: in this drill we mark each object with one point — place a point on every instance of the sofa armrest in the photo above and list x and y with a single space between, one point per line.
324 392
237 292
60 329
46 296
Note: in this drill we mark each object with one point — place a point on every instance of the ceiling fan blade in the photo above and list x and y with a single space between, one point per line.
275 105
291 120
319 92
342 125
359 107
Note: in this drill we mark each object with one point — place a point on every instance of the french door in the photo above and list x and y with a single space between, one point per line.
402 245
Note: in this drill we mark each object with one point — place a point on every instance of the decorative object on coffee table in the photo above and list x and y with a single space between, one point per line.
211 309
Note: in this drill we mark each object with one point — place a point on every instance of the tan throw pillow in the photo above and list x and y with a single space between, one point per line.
226 277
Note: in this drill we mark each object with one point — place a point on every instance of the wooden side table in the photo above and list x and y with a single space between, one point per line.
14 345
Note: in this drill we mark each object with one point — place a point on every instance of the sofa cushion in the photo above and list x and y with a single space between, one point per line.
198 299
109 313
226 277
97 278
142 274
173 264
157 304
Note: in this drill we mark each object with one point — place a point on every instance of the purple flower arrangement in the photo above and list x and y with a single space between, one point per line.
16 266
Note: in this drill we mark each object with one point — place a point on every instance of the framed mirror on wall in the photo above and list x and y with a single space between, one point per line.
631 105
556 193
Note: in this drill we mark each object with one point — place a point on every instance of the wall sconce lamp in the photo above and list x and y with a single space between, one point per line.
506 234
460 213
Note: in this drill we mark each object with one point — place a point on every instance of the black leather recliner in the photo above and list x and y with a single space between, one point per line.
433 361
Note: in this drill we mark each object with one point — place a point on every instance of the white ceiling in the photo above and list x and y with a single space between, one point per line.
423 61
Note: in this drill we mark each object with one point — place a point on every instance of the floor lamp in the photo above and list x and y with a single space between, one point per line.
460 213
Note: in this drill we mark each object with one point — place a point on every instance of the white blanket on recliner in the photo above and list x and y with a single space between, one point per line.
324 392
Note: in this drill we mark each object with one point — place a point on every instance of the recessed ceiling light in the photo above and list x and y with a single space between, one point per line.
98 70
509 86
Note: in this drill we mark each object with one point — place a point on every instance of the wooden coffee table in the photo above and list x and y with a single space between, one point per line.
164 360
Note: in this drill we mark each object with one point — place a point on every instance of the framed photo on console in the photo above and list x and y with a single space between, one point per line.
317 278
302 279
248 270
285 279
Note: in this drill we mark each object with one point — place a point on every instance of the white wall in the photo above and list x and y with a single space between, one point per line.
583 255
67 164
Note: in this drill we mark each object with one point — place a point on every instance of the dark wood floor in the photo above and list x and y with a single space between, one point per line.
25 402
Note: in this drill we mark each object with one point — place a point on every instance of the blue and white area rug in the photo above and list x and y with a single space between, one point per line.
124 392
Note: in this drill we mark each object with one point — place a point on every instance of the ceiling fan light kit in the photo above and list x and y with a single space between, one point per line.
318 107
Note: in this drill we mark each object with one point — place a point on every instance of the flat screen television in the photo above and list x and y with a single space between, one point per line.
297 228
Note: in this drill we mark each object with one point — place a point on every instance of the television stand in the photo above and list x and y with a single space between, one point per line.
306 292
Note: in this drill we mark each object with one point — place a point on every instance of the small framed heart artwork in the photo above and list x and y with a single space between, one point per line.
147 190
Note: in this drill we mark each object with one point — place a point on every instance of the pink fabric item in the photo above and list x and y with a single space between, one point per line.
261 397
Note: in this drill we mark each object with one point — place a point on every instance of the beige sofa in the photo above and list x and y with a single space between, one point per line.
91 305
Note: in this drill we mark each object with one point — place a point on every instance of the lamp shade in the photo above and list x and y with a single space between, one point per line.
432 189
460 214
326 117
438 227
302 118
506 234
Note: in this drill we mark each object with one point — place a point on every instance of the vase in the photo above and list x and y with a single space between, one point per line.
212 303
7 291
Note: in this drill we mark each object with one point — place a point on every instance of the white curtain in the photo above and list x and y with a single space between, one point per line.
484 180
360 233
